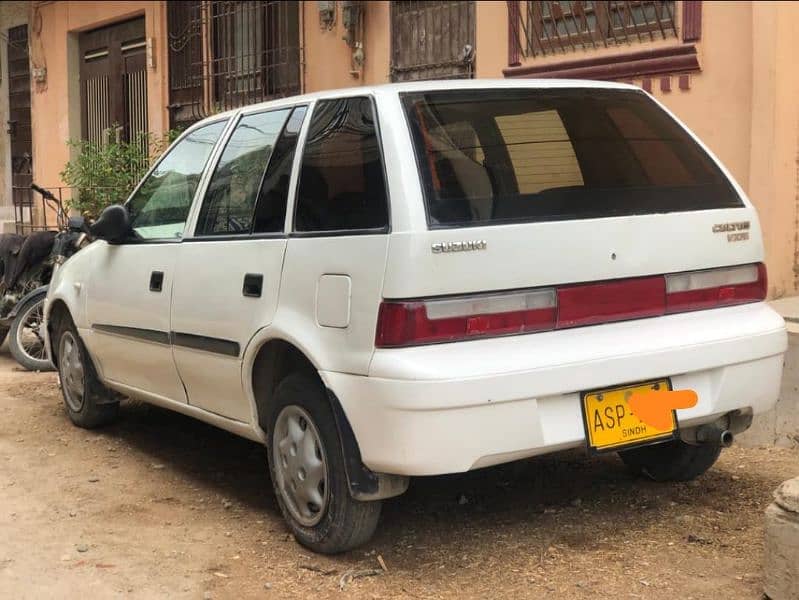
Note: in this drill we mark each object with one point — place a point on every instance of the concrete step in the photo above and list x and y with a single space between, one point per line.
781 561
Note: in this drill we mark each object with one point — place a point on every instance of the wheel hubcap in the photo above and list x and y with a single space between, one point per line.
71 369
300 465
29 339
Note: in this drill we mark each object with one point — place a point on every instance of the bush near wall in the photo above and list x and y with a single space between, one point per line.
105 173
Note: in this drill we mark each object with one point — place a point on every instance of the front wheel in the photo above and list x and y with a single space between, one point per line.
88 402
26 340
307 467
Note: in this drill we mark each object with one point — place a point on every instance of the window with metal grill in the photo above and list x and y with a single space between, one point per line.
227 54
556 27
432 40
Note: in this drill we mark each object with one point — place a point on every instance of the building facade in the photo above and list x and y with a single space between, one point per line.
725 68
15 115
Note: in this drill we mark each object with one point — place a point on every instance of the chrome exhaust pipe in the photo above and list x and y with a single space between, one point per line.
727 438
713 434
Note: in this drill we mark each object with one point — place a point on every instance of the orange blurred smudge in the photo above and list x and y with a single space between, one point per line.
654 407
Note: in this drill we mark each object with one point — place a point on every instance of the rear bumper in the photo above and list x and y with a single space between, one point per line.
455 407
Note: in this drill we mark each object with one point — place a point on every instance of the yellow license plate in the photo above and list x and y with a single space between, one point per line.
611 425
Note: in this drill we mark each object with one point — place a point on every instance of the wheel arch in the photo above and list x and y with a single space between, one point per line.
273 360
55 312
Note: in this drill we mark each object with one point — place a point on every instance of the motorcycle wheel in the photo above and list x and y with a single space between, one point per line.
25 340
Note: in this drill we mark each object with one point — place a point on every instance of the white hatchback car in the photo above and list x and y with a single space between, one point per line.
427 278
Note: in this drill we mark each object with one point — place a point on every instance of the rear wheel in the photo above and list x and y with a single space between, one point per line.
26 342
307 467
88 402
671 461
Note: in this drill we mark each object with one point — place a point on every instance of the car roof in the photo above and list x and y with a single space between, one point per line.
425 86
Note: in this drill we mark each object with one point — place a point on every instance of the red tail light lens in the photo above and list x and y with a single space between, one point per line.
592 303
415 322
425 322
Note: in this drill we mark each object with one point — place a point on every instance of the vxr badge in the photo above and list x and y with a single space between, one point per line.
736 232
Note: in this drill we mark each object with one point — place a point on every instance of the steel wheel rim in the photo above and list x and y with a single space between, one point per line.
28 338
70 365
300 465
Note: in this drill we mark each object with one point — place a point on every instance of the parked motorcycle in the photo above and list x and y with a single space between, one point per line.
26 276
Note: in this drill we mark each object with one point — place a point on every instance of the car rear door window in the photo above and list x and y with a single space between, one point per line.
230 200
342 184
270 210
521 155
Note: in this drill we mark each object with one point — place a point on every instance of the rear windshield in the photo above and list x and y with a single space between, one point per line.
540 155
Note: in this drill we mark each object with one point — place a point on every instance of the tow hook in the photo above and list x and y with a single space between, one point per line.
713 434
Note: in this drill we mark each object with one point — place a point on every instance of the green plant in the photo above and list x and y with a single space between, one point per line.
104 173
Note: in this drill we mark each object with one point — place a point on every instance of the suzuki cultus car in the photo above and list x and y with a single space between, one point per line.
427 278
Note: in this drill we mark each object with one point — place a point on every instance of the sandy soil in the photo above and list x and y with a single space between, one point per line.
162 506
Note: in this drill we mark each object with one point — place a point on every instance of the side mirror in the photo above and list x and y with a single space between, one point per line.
77 224
113 224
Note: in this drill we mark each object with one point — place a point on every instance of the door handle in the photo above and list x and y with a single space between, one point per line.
156 281
253 285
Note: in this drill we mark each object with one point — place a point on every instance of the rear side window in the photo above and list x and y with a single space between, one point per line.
342 185
537 155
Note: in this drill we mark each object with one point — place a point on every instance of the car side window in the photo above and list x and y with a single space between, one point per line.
229 203
159 208
270 211
342 184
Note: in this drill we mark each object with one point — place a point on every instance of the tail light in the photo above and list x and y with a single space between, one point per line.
428 321
591 303
416 322
697 290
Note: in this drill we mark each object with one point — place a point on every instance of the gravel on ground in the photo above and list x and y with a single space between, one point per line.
159 505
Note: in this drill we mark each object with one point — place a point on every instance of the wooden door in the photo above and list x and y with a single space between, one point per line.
19 104
19 127
114 81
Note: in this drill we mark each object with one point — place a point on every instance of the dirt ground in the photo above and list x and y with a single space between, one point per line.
163 506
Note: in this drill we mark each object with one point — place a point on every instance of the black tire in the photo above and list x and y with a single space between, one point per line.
97 405
344 523
671 461
31 358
